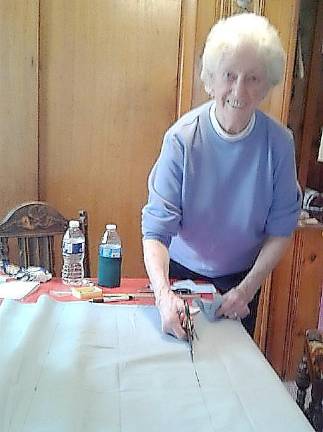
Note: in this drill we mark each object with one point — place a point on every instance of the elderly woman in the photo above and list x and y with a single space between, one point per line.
223 195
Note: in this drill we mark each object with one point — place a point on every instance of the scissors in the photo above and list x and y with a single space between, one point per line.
189 328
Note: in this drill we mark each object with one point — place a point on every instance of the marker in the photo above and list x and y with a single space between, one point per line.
113 298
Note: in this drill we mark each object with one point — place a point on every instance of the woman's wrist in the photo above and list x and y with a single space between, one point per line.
247 292
160 292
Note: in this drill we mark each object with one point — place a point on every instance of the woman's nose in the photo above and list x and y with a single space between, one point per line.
239 87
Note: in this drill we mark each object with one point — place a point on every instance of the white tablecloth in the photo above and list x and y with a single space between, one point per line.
96 367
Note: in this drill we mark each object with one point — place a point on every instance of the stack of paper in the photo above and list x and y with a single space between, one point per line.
17 289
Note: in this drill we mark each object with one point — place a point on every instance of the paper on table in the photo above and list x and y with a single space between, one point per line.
17 289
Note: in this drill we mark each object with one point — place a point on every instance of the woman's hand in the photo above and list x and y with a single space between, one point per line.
171 309
234 304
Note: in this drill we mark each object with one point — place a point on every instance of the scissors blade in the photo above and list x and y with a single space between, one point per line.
190 342
189 328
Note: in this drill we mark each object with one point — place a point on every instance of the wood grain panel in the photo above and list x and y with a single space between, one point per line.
107 94
284 16
261 329
18 102
312 120
278 309
295 299
186 54
205 19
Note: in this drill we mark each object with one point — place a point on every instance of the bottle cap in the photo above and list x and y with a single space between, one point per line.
111 227
74 224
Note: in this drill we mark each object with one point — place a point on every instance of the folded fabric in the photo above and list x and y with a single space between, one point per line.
193 287
209 307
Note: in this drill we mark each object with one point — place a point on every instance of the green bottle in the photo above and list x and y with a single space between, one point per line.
110 257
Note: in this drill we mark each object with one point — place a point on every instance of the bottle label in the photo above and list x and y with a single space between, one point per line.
109 251
73 248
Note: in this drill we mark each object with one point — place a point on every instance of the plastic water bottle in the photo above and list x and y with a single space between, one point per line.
73 254
110 256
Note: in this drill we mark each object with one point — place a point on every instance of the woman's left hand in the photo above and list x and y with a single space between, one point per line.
234 304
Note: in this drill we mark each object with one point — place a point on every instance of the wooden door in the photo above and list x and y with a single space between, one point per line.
108 91
18 102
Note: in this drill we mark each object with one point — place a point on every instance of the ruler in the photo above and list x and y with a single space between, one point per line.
135 295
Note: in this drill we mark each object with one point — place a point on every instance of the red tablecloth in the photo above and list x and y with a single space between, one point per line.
56 289
60 292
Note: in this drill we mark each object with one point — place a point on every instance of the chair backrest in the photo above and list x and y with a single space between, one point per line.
35 224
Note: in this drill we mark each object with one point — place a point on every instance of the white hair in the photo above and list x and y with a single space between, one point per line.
237 30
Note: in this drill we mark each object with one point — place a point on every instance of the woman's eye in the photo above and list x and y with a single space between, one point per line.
253 78
229 76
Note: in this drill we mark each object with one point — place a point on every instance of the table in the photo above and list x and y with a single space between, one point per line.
55 285
77 366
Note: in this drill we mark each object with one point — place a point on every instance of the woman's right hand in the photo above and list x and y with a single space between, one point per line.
171 309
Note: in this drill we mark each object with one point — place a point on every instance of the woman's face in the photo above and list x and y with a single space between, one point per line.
240 84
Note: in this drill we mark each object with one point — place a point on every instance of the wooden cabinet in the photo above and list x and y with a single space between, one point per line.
291 300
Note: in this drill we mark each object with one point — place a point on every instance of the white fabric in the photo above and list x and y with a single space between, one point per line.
78 367
194 287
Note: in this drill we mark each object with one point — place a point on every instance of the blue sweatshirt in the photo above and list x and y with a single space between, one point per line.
214 202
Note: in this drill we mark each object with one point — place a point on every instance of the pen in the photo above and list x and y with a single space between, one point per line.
132 296
113 298
110 297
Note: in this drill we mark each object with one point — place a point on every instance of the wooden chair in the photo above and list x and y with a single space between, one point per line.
35 224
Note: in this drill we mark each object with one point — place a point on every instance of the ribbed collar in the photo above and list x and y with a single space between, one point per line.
225 135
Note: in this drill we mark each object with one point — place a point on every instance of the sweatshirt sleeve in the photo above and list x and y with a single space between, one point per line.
287 196
162 214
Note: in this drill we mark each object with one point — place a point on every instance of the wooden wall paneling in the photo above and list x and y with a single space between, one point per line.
284 16
108 88
295 299
294 291
290 39
306 26
186 56
204 21
225 8
311 126
261 329
278 309
18 102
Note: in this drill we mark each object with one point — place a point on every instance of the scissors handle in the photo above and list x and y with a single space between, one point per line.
182 291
